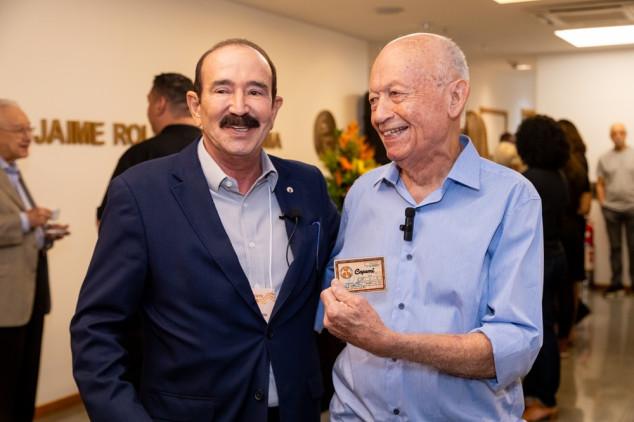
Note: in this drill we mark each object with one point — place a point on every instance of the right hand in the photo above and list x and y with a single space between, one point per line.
38 216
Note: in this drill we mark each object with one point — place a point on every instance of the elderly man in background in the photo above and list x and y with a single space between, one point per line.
25 235
615 193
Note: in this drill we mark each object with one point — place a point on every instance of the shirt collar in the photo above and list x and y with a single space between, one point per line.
215 176
11 168
466 169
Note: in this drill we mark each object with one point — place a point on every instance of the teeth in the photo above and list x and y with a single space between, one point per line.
240 128
393 131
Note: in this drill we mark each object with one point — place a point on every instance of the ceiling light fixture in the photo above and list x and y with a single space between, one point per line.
595 37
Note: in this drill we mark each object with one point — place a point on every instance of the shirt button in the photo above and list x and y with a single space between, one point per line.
259 395
396 411
269 334
409 256
401 305
228 183
251 245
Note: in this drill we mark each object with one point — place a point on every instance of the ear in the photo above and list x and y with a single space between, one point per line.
459 91
277 103
160 105
194 107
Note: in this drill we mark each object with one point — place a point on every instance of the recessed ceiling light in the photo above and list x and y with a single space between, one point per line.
594 37
388 10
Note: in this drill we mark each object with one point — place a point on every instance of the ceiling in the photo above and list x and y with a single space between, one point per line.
482 28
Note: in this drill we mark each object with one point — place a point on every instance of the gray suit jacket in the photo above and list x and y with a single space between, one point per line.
18 259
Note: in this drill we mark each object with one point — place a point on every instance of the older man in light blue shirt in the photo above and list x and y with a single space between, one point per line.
460 320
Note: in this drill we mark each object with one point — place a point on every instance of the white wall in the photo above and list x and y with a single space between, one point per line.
593 90
95 61
495 85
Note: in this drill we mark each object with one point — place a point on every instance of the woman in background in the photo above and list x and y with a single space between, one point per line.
542 146
579 200
476 130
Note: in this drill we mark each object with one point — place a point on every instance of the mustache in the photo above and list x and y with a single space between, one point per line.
246 120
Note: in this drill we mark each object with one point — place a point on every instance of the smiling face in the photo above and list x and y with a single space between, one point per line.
15 134
415 108
235 109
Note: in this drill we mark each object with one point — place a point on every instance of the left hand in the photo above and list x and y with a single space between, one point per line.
351 318
56 231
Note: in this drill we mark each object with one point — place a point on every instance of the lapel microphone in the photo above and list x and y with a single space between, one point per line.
408 227
294 215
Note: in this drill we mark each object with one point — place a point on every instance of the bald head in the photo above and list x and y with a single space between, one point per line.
618 135
418 88
444 59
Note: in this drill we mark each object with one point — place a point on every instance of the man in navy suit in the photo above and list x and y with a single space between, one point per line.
221 249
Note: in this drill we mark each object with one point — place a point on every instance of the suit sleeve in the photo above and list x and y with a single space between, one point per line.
11 232
109 299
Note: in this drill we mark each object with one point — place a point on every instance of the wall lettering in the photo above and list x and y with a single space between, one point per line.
88 133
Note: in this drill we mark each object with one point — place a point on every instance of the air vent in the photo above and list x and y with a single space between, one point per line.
588 14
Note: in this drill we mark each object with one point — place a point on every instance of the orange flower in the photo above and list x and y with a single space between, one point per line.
367 150
338 177
346 165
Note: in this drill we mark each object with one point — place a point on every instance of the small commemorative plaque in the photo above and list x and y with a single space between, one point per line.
362 274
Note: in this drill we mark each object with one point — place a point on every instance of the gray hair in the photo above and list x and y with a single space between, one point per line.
455 63
8 103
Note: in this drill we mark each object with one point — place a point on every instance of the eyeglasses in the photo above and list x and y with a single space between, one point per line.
20 131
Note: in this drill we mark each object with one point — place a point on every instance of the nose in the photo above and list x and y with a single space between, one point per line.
381 111
238 103
27 132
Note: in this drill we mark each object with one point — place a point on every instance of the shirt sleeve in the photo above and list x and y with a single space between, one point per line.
513 323
25 222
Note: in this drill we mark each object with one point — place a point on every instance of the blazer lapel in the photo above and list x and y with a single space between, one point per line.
7 187
192 194
289 196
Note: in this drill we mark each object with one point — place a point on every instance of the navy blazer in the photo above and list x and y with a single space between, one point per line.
162 249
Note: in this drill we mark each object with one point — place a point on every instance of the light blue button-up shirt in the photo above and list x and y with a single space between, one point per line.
475 264
254 228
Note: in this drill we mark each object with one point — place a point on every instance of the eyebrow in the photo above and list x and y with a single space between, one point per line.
225 82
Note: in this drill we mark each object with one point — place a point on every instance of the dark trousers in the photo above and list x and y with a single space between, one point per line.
20 357
542 381
615 222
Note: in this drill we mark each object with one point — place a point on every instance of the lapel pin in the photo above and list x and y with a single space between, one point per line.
289 189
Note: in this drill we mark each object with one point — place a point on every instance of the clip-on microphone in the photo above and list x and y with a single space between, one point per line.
408 227
294 215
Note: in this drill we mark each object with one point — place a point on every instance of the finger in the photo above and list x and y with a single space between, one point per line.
328 298
340 293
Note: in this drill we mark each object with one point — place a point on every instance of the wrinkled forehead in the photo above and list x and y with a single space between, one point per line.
11 115
407 60
236 60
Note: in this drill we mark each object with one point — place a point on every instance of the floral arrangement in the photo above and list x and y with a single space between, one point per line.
349 159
